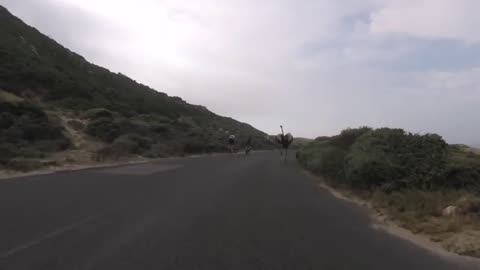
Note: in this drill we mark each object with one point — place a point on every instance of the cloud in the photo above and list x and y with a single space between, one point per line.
314 66
432 19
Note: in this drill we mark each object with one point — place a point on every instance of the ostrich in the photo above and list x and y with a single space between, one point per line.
285 140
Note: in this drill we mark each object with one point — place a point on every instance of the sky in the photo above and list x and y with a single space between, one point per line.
316 67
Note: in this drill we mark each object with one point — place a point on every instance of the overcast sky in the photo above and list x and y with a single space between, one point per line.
314 66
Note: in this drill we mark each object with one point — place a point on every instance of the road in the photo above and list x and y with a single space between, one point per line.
218 212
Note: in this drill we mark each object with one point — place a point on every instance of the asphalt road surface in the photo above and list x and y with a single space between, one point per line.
218 212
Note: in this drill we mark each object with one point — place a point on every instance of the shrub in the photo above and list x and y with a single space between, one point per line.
194 147
99 113
159 150
142 142
326 160
33 130
185 123
7 151
387 158
413 203
160 128
48 146
103 128
30 152
136 126
6 120
215 148
125 145
348 136
105 153
463 170
76 125
391 155
469 204
155 118
27 131
132 143
24 165
21 108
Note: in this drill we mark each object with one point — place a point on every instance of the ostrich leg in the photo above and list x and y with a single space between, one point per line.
286 154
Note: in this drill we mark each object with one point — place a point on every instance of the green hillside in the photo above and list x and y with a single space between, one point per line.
51 97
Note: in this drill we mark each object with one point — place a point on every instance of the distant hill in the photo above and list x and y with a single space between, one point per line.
53 100
302 141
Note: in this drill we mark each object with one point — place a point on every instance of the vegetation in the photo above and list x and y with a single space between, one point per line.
411 177
391 160
39 78
27 131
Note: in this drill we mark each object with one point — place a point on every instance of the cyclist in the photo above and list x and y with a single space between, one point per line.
248 145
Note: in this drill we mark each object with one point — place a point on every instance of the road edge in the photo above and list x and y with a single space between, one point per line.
80 167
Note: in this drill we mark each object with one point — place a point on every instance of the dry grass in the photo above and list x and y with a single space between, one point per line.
9 97
84 145
421 213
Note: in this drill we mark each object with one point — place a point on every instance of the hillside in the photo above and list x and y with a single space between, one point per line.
52 100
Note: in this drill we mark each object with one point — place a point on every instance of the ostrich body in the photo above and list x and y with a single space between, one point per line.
284 140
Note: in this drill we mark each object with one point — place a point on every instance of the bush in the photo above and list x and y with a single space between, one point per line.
469 204
96 113
215 148
194 147
142 142
325 160
463 170
326 155
103 128
391 155
105 153
348 136
7 151
159 150
413 201
21 108
48 146
34 130
385 158
136 126
132 143
462 177
24 165
125 145
30 152
160 128
185 123
27 131
76 125
6 120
